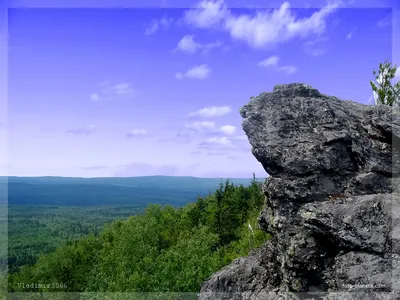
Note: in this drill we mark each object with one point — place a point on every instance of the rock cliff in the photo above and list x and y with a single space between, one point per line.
331 204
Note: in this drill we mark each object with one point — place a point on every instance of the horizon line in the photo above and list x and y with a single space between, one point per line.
104 177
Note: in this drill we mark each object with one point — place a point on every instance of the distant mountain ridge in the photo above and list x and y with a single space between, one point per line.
78 191
164 181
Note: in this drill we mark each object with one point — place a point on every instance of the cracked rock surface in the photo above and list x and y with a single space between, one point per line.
332 200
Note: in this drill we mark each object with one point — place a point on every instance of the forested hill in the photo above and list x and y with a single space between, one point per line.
161 181
71 191
164 250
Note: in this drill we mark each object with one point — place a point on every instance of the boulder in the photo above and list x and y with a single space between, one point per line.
332 201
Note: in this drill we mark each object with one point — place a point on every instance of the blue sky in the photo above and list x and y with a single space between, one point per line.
156 91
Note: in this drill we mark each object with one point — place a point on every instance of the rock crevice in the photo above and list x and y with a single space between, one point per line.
331 203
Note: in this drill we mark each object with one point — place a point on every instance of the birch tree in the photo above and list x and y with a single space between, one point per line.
383 91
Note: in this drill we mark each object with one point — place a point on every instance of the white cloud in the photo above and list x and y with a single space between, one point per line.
201 125
220 141
197 72
228 129
288 69
214 111
350 34
152 28
397 72
120 89
94 97
188 44
263 29
207 14
209 128
270 61
386 21
224 145
273 62
136 132
163 23
113 91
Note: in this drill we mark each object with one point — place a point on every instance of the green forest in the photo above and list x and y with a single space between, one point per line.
35 230
161 249
44 212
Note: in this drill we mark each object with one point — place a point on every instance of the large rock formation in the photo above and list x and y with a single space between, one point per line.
330 206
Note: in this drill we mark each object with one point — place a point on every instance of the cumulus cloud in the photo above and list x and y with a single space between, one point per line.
197 72
225 145
288 69
120 89
210 127
113 91
228 129
163 23
136 132
350 34
201 125
213 111
270 61
82 130
207 14
273 62
188 44
264 28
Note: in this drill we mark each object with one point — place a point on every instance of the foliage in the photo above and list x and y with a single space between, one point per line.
35 230
384 92
251 237
165 249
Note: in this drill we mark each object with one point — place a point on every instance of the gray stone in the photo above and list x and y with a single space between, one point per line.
332 200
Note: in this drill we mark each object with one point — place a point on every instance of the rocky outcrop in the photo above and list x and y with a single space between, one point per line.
331 205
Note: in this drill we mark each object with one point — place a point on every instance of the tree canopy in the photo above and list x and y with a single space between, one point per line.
165 249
